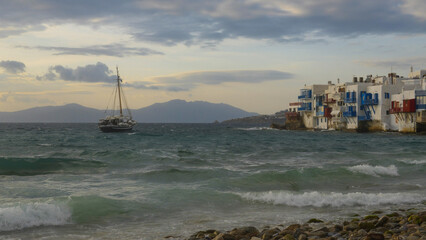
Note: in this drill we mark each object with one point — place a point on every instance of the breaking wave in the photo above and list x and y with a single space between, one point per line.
33 215
375 171
322 199
413 162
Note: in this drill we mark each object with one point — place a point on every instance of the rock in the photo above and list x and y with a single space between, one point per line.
255 238
371 217
320 234
361 233
375 236
350 227
269 233
244 232
412 238
302 237
288 237
224 236
394 214
314 220
366 225
382 221
336 228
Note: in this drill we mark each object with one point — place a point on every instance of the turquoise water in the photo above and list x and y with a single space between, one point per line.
74 182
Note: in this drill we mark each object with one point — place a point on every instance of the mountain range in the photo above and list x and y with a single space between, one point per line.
174 111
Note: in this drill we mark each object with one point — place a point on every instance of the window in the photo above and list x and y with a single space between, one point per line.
386 95
387 112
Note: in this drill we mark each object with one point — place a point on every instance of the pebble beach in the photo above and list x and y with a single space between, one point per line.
404 224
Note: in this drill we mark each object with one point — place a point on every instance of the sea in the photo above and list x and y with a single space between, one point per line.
71 181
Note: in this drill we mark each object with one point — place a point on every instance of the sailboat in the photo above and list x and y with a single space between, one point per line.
115 122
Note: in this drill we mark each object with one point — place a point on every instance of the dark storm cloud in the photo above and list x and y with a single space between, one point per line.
98 72
13 67
115 50
210 22
188 81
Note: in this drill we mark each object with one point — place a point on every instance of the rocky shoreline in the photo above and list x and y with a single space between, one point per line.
402 225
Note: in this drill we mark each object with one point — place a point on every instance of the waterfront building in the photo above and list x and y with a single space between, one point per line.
308 103
381 103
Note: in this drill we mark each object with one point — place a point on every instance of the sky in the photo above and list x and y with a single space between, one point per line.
252 54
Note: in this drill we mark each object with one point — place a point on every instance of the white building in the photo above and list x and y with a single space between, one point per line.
378 103
308 103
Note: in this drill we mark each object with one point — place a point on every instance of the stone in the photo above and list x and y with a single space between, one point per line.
382 221
269 233
288 237
366 225
371 217
314 220
302 237
350 227
375 236
361 233
336 228
244 232
412 238
320 234
224 236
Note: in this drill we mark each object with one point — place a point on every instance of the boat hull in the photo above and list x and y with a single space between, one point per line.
109 128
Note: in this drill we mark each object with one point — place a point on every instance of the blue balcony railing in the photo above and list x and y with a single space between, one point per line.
364 118
369 101
350 100
349 114
421 106
305 94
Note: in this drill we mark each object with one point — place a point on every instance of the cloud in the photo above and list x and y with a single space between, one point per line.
188 81
401 63
115 50
207 23
98 72
13 67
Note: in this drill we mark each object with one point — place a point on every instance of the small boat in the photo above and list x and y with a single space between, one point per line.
115 122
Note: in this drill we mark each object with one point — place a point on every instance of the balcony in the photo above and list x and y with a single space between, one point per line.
350 100
292 114
395 110
320 114
364 118
305 108
421 106
305 94
349 114
373 101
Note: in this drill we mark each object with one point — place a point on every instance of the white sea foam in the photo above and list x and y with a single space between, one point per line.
375 171
32 215
414 162
332 199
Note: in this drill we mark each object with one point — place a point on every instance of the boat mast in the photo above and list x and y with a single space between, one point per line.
119 92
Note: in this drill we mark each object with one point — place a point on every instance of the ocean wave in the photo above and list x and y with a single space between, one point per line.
413 162
375 171
332 199
33 215
257 129
41 165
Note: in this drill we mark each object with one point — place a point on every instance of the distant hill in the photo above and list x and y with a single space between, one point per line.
175 111
259 120
180 111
